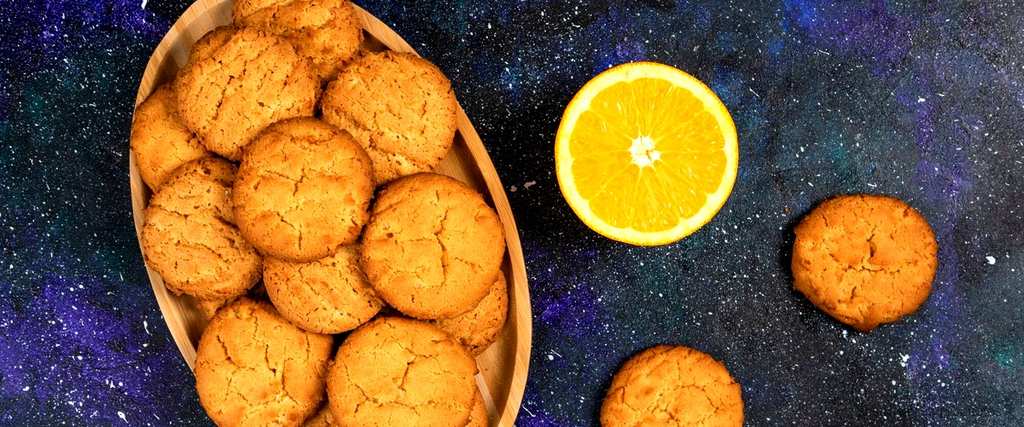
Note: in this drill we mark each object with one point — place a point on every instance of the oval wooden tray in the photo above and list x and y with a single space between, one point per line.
503 367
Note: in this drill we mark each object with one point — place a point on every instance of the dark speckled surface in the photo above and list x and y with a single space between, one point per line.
921 100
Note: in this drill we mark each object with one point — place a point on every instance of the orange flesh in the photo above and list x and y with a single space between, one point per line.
685 164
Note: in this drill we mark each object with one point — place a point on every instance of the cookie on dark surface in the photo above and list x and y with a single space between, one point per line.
864 259
672 386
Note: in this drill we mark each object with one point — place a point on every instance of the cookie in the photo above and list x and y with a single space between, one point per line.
400 107
672 386
303 189
478 414
189 236
230 92
433 247
328 32
328 296
210 42
160 141
864 259
478 328
395 371
322 418
255 368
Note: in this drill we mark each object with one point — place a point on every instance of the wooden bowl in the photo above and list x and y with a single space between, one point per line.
503 366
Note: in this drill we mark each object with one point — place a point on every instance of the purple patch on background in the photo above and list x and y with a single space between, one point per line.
79 358
574 313
853 28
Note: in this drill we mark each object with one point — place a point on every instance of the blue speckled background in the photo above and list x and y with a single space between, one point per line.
921 100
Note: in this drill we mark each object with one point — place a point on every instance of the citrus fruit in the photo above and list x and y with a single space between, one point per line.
646 154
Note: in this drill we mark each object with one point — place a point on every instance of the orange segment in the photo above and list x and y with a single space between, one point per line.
646 154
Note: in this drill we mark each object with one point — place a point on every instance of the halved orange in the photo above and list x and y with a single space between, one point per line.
646 154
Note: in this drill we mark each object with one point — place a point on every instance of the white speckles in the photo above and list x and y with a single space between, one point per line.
122 417
904 358
145 325
991 260
920 100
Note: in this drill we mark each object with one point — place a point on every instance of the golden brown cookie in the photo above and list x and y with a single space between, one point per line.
237 89
210 42
160 141
672 386
303 190
864 259
400 107
328 32
478 328
478 414
328 296
189 236
255 368
433 247
395 371
322 418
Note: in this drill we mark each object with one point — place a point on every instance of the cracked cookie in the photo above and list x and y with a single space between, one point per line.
328 296
303 189
400 107
864 259
328 32
253 367
395 371
478 328
159 140
433 247
239 84
672 386
189 236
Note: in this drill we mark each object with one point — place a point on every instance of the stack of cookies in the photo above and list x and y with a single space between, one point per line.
284 154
